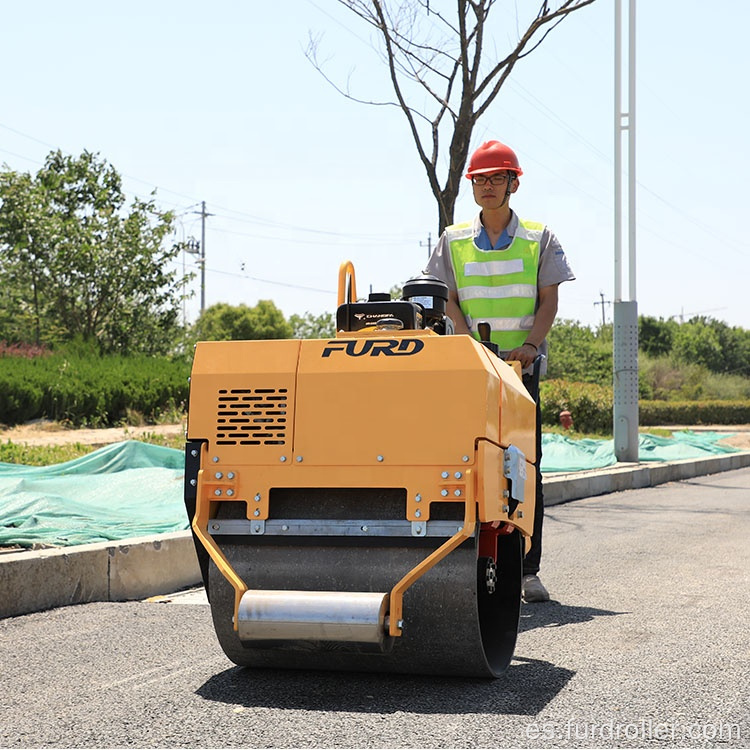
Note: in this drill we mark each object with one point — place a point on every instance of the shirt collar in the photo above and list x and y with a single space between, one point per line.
511 229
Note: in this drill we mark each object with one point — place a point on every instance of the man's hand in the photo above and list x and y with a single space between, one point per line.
545 316
524 354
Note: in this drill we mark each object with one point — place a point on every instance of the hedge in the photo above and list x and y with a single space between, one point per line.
101 391
589 404
693 412
591 408
90 390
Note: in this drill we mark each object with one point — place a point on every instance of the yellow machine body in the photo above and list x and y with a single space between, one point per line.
440 418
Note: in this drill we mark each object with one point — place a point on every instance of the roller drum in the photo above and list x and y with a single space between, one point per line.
453 626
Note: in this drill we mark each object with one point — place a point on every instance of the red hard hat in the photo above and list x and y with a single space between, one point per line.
493 156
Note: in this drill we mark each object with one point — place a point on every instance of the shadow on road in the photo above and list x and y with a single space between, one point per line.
552 614
525 689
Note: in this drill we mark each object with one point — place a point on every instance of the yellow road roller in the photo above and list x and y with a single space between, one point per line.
363 502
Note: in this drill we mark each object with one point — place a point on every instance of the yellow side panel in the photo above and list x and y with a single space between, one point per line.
517 416
410 398
242 396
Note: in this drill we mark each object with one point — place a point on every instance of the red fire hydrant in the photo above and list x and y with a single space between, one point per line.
566 419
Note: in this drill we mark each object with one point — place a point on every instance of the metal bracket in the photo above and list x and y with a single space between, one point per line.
514 468
323 527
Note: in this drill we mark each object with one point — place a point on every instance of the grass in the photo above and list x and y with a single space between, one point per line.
41 455
46 455
169 441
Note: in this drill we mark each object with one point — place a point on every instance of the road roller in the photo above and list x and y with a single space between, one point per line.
363 502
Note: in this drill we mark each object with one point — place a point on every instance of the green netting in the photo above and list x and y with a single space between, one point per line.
121 491
560 453
134 489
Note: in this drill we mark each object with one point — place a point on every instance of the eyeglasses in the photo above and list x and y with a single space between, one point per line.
495 179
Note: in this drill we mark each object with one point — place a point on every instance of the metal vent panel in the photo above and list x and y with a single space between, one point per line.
252 416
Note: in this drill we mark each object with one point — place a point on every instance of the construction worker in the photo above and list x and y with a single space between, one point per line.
506 271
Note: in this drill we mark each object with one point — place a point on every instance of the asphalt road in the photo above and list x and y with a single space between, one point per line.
645 644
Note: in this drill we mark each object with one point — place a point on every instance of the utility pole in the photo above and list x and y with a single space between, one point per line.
602 303
429 234
199 248
194 247
625 333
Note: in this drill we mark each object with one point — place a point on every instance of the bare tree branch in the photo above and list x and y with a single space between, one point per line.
310 53
445 58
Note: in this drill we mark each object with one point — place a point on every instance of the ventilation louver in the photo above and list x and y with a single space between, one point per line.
252 416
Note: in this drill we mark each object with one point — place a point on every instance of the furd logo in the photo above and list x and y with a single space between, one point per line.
375 347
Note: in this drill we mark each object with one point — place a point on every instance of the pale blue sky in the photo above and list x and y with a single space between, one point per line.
217 102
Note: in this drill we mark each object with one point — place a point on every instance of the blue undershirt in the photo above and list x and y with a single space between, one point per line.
482 240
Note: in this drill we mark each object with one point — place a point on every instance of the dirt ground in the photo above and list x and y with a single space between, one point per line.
52 433
42 432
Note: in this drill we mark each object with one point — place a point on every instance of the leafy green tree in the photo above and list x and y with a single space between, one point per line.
734 346
697 343
76 261
655 337
24 258
224 322
579 354
309 326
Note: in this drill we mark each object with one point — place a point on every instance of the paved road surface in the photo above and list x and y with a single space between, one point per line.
645 645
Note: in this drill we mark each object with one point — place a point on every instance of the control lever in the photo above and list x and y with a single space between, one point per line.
485 331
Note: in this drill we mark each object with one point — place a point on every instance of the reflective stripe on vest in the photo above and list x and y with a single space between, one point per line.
499 286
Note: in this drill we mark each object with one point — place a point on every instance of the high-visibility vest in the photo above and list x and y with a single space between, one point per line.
499 286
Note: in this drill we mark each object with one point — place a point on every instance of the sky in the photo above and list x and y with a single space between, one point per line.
218 103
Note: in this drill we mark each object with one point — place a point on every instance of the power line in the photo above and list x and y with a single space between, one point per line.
297 241
244 275
271 223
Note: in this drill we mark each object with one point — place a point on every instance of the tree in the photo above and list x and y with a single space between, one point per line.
223 322
77 263
697 343
715 345
449 63
579 354
655 336
309 326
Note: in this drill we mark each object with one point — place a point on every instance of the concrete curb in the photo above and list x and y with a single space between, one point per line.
31 581
136 568
562 488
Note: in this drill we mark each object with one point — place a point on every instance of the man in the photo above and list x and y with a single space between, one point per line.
506 271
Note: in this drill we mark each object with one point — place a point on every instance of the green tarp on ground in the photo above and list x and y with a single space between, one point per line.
560 453
135 489
117 492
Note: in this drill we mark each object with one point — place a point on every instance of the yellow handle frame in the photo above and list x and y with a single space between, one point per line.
203 516
347 283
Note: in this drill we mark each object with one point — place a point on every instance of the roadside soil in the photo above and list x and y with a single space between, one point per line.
42 432
52 433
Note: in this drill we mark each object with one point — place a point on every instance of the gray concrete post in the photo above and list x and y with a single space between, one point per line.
625 380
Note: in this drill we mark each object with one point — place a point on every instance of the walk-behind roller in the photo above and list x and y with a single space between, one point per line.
362 503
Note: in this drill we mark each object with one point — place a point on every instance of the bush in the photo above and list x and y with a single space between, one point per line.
591 408
589 403
693 412
87 390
